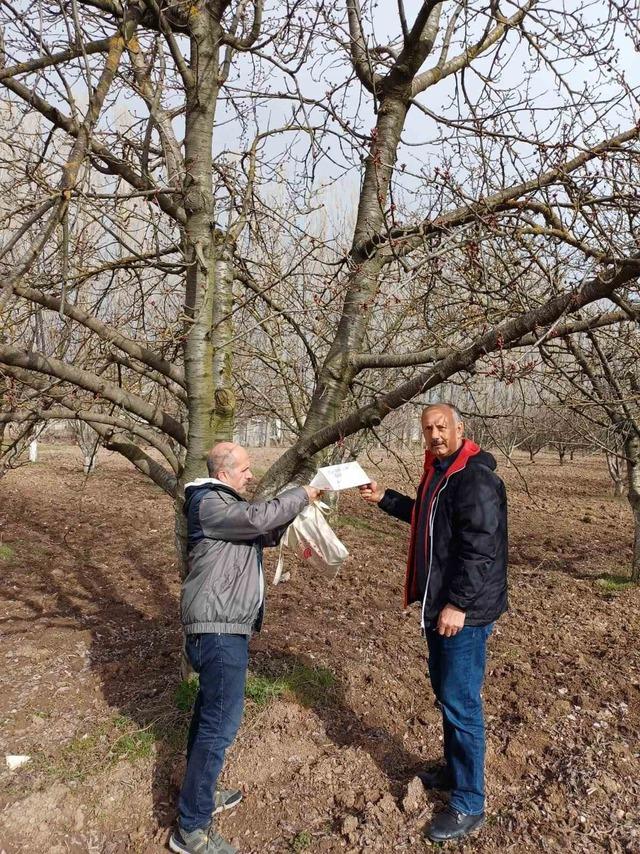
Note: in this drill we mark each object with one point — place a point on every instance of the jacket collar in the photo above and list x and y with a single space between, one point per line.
467 450
212 483
203 481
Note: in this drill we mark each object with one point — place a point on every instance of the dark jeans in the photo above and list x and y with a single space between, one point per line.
456 670
221 662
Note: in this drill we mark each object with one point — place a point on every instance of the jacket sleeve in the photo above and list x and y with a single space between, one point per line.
273 537
476 528
248 520
396 504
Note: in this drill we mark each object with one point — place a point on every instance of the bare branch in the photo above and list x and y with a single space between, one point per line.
52 367
77 413
512 330
434 75
104 331
412 237
358 46
246 43
100 46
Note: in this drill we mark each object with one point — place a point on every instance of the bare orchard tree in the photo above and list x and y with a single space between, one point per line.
88 441
604 374
186 201
616 465
452 254
4 404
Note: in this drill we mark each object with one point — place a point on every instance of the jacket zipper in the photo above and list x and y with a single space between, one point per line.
431 522
260 579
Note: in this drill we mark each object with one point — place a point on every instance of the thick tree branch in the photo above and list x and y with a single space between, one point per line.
144 463
511 330
358 47
113 164
532 339
419 43
438 72
411 237
100 46
95 419
161 380
107 333
132 403
246 43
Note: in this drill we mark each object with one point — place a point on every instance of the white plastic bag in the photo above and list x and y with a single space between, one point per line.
311 537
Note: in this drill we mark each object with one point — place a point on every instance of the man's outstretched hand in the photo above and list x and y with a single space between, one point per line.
450 621
371 492
313 492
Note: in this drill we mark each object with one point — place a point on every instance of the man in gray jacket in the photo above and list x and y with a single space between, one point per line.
222 604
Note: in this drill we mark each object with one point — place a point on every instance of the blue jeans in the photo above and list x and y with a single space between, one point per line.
456 670
221 662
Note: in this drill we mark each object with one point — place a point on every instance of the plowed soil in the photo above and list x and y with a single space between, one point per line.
341 714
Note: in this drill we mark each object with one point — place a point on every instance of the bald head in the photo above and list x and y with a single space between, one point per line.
221 456
457 417
230 463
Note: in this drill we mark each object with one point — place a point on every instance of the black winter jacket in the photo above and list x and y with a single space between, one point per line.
465 554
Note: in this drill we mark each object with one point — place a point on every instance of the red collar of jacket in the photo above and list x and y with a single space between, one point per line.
468 449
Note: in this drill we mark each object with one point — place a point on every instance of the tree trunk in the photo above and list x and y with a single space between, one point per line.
615 465
635 566
209 279
2 424
180 536
632 451
337 371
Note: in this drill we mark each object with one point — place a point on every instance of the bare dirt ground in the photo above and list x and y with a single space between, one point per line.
340 714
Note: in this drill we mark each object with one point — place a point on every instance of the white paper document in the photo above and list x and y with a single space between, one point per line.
343 476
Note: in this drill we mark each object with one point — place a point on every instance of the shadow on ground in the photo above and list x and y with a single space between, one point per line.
107 580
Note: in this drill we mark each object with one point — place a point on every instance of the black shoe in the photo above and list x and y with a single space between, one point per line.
451 824
437 778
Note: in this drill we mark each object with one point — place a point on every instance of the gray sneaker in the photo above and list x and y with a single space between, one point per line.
226 799
203 840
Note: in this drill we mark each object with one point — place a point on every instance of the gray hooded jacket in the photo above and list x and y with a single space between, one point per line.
224 589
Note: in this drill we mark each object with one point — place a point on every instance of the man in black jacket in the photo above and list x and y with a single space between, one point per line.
457 569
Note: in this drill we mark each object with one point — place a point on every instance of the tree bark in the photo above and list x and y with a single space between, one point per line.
2 424
198 239
338 369
209 279
337 372
632 451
